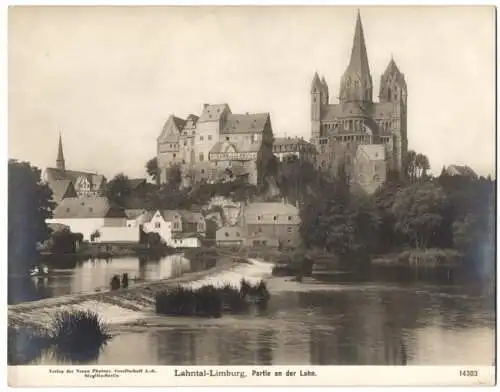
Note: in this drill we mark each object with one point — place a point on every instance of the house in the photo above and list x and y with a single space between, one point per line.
262 240
185 240
230 236
61 189
276 220
287 146
86 215
118 235
193 222
137 217
161 224
458 170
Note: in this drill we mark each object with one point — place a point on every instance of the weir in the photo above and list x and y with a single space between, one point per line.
137 301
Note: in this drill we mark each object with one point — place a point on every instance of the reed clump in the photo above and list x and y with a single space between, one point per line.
76 336
211 301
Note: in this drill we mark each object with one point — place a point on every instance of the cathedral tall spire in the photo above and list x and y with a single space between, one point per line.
356 83
359 57
60 156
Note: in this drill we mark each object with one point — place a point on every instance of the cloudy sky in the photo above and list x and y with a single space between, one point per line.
109 77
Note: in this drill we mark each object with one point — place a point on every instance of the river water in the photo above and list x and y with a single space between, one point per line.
341 323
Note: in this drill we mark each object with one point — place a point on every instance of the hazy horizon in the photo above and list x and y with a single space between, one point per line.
109 77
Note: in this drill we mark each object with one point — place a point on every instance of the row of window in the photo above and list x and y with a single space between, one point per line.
274 218
289 230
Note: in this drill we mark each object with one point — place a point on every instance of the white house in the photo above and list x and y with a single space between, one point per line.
158 224
185 240
86 215
137 217
122 235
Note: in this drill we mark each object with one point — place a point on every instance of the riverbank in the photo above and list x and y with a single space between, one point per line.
136 298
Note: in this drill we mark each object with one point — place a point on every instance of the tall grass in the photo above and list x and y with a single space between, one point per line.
210 301
75 336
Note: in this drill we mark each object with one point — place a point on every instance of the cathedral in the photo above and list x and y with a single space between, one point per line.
367 139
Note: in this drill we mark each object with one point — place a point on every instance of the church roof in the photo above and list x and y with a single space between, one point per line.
460 170
359 58
87 207
53 174
316 83
246 123
331 112
393 70
61 189
60 154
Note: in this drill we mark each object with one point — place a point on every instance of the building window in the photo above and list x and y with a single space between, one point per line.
289 218
157 225
174 155
260 229
258 218
201 138
209 137
201 157
275 218
237 234
227 234
289 229
67 209
176 225
202 171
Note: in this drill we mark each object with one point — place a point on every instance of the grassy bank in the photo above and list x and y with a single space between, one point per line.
421 258
75 337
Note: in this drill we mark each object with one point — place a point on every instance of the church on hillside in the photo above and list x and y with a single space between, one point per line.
367 139
70 183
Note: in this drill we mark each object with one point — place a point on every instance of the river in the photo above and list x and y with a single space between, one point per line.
341 323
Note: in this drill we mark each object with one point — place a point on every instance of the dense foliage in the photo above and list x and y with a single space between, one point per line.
29 205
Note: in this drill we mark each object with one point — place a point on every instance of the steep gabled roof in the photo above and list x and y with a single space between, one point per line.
393 71
53 174
246 123
62 189
214 112
171 128
87 207
316 84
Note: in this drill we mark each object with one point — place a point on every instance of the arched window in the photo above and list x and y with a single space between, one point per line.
389 95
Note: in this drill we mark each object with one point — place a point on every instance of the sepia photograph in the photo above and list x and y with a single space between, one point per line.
251 186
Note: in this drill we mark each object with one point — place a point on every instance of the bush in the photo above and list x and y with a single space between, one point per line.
433 257
210 301
75 336
78 331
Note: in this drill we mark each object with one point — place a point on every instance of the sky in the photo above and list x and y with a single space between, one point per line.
107 78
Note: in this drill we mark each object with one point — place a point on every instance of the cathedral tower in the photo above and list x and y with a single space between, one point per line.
60 156
317 98
356 82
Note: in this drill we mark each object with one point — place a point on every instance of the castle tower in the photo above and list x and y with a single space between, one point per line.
60 156
317 96
356 82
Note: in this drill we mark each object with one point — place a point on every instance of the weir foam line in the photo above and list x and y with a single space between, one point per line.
134 297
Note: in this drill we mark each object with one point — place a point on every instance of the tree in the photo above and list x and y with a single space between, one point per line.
418 212
152 168
29 205
174 176
118 189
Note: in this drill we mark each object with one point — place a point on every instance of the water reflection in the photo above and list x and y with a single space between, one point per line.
93 275
352 327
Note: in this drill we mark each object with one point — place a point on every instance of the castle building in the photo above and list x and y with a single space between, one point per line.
284 147
70 183
216 145
338 130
